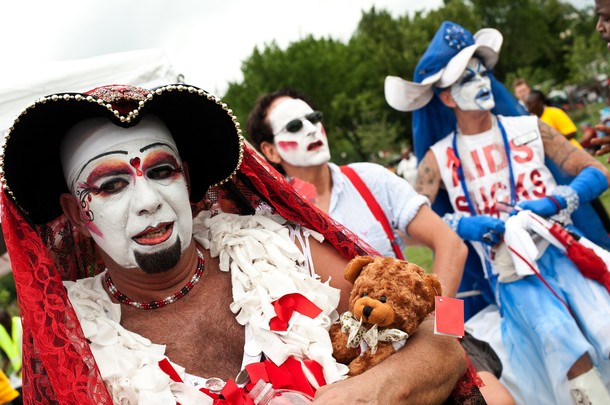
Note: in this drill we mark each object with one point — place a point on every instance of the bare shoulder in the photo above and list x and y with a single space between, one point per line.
428 178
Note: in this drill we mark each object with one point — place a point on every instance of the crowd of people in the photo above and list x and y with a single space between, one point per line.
161 259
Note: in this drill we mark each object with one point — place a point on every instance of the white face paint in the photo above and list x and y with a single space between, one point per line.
304 148
472 91
133 194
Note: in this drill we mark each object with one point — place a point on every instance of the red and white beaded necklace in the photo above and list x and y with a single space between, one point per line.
158 303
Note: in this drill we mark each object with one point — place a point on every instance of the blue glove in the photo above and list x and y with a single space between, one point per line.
588 185
481 228
544 206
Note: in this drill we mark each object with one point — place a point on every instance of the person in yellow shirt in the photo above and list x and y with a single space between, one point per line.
536 103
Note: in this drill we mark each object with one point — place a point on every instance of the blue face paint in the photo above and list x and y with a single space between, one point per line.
472 91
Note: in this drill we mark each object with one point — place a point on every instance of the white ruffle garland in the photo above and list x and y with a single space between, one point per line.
265 264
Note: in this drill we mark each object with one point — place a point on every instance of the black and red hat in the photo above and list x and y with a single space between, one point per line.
205 130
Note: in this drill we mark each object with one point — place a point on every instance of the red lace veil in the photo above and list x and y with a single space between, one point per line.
58 366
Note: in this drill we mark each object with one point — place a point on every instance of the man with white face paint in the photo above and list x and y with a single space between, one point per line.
492 165
132 192
290 134
473 89
138 260
299 147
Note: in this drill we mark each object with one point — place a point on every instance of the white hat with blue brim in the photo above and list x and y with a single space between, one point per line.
442 64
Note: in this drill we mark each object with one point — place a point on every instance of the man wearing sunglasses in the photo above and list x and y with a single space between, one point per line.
285 128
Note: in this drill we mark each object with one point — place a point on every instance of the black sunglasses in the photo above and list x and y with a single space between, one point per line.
296 124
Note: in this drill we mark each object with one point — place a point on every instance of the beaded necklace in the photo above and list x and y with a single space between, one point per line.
158 303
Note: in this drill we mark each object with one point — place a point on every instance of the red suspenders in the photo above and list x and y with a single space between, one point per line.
373 206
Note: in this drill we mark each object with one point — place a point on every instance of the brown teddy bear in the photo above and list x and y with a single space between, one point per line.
389 300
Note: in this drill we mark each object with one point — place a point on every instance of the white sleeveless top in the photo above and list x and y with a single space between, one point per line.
486 167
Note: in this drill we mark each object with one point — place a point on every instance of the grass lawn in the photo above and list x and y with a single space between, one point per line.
423 256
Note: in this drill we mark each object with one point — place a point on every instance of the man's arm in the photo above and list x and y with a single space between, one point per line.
450 251
428 179
424 371
566 156
571 135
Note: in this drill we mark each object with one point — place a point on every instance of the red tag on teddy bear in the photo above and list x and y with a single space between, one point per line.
449 316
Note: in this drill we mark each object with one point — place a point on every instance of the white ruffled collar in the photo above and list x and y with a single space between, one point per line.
265 265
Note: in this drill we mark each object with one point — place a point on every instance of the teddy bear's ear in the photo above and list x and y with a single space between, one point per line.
434 287
355 266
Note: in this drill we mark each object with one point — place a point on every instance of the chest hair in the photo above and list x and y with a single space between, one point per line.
199 330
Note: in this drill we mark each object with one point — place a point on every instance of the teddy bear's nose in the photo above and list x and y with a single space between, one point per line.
367 311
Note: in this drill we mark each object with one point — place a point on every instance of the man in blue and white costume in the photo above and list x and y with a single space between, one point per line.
555 328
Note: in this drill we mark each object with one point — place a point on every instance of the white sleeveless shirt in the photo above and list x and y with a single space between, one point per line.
486 166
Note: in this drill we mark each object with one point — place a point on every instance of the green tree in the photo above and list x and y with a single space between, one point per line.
548 42
588 54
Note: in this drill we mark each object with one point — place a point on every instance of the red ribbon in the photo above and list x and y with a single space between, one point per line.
316 370
286 305
233 395
167 368
289 375
585 258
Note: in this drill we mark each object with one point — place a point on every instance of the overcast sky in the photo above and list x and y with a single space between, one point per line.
205 40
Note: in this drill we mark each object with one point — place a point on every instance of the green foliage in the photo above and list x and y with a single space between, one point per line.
421 256
548 42
8 294
7 286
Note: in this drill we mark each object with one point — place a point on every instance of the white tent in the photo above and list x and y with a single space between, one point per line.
146 68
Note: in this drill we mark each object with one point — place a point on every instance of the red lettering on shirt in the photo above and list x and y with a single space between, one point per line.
539 187
453 163
477 163
520 188
495 158
486 201
522 154
537 191
494 190
461 204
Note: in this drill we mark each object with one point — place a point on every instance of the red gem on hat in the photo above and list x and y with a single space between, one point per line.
123 98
